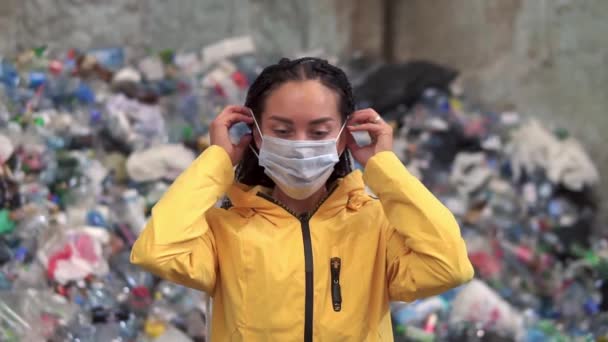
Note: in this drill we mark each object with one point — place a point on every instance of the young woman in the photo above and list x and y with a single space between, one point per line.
301 251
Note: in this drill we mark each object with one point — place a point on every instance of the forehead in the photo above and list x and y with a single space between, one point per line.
302 101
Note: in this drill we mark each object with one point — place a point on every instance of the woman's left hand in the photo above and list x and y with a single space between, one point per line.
380 132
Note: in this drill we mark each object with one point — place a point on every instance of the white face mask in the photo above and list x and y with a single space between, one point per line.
298 167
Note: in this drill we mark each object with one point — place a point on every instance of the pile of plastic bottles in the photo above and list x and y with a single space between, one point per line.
523 195
90 140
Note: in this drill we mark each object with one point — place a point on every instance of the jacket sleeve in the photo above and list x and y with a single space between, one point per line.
177 243
426 254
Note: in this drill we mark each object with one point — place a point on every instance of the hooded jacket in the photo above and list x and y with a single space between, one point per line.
325 276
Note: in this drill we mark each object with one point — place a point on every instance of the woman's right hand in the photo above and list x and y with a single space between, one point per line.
219 131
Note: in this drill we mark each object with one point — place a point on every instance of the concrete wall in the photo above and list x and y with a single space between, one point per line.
546 58
278 27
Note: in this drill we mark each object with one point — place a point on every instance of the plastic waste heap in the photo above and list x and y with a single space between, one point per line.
90 140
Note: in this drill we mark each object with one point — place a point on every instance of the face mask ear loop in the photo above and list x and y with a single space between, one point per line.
342 129
259 131
253 150
256 124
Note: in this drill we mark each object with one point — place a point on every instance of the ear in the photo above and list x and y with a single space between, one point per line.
342 142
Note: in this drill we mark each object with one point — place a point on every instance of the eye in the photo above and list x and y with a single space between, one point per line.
319 134
281 131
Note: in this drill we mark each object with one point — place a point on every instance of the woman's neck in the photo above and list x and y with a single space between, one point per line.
300 206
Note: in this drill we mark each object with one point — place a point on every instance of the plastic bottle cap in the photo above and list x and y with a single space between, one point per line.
6 224
141 292
187 133
167 56
21 253
154 328
56 67
561 133
39 51
96 115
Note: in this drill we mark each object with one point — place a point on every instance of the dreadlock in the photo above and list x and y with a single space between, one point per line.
248 171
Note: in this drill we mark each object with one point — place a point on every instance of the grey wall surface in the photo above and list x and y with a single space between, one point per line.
278 27
545 58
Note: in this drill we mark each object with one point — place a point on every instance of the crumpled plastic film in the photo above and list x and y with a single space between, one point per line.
478 303
162 162
565 162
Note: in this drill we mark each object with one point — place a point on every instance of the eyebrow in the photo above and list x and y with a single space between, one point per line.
290 122
320 121
280 119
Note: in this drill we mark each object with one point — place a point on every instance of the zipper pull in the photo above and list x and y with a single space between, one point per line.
336 294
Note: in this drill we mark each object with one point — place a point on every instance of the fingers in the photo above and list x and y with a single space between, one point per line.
233 118
351 143
244 142
363 116
229 112
372 128
239 149
228 118
237 109
369 121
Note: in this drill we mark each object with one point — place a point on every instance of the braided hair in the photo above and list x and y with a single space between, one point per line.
248 171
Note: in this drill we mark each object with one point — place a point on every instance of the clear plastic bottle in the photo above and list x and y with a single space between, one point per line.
187 106
79 329
130 209
99 295
415 313
139 282
5 115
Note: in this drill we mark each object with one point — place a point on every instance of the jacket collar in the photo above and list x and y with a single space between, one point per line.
349 193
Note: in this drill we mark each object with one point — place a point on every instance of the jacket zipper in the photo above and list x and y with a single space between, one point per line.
308 258
309 268
336 294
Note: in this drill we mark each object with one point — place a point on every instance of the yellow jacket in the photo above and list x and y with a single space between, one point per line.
328 277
